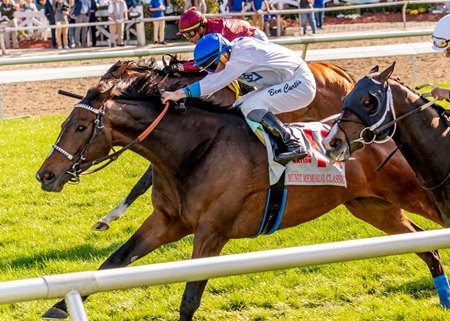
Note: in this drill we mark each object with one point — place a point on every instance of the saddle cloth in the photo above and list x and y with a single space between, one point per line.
315 169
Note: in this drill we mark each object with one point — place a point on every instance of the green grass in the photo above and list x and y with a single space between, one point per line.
49 233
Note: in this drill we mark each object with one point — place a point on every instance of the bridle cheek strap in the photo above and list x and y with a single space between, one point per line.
98 125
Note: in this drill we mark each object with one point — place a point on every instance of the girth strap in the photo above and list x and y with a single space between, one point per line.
276 201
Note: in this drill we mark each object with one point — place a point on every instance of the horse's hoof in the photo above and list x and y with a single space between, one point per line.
55 313
100 226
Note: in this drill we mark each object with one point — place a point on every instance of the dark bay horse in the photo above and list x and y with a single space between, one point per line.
210 177
421 131
332 82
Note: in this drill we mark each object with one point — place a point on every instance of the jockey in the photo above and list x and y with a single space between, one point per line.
283 81
441 43
193 25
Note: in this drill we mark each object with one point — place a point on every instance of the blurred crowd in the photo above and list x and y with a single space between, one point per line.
63 13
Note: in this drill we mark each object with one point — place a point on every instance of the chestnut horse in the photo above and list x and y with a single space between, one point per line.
332 82
379 108
210 177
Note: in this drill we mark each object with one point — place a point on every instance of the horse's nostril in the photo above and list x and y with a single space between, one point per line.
45 177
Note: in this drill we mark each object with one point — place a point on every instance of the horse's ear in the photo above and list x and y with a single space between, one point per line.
122 69
374 69
384 76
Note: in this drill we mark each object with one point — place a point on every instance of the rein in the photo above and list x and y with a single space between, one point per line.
399 118
421 183
98 125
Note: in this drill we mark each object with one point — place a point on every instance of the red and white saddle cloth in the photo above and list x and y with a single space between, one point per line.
315 169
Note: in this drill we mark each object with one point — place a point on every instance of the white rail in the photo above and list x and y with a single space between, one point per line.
73 285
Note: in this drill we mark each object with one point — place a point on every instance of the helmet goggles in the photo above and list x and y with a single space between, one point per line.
190 34
440 42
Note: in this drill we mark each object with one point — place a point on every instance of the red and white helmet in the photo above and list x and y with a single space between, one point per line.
190 20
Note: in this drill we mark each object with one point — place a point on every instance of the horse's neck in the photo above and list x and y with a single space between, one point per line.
419 135
178 138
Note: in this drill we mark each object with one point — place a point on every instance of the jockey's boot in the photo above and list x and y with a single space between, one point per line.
294 149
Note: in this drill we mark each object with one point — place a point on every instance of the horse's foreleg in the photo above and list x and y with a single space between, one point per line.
157 230
392 220
144 183
206 244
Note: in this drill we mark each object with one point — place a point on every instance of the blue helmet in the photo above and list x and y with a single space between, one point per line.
208 50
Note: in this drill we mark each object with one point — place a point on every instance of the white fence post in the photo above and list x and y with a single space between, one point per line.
2 40
75 306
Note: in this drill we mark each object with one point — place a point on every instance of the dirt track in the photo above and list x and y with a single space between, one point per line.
41 98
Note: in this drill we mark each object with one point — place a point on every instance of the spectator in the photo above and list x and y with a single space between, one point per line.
71 19
269 19
93 18
237 6
62 21
49 11
118 13
268 67
307 4
258 17
319 4
40 5
199 4
131 5
81 11
7 10
157 8
441 43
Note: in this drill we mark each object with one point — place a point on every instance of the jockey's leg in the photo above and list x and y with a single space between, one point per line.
294 148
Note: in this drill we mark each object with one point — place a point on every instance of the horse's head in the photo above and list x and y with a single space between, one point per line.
366 108
83 138
85 135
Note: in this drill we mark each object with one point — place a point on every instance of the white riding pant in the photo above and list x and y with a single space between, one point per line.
291 95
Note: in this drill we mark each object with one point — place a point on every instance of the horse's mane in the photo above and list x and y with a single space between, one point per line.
143 84
341 72
439 109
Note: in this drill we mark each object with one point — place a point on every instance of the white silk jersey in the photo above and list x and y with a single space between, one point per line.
256 63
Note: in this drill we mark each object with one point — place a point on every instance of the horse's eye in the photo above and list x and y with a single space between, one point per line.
80 128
